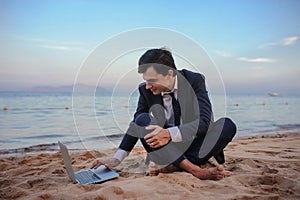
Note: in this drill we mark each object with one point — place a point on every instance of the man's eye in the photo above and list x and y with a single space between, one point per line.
152 81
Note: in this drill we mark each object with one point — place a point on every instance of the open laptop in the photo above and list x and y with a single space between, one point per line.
87 176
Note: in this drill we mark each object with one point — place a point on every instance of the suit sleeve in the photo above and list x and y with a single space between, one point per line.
142 102
198 125
206 116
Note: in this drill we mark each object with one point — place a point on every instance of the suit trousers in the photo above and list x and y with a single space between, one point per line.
198 151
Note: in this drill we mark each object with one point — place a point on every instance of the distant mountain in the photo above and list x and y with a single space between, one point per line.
79 88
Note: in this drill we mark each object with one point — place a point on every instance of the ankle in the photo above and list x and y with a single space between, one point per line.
189 167
194 169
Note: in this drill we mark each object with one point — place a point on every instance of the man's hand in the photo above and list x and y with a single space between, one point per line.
158 137
109 163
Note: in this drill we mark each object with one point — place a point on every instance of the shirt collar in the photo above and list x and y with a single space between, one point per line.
175 88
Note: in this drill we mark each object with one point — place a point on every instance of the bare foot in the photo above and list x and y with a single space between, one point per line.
155 169
212 173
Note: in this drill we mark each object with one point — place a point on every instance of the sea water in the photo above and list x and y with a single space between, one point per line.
99 122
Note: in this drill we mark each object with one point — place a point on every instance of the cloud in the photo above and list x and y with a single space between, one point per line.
223 54
61 48
284 42
256 60
267 45
289 40
54 44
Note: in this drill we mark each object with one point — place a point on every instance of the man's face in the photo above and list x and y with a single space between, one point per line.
156 82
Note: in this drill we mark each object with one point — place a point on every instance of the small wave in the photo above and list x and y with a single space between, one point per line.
101 113
288 126
113 137
34 148
41 136
54 146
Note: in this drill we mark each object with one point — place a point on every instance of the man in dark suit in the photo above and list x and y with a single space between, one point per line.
174 120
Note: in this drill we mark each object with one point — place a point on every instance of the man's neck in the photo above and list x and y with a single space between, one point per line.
172 86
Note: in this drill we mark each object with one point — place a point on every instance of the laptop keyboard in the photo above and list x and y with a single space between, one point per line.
86 177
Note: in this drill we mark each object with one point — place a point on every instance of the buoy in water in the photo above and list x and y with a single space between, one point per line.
67 108
5 108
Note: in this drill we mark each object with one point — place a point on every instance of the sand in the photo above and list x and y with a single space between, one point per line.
260 167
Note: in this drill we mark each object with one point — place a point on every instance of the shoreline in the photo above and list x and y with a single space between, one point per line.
53 147
260 167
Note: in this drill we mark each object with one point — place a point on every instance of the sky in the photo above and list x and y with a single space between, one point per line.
254 44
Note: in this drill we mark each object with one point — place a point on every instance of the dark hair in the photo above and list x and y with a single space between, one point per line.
161 60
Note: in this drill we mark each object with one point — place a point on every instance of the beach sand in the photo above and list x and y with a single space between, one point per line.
258 167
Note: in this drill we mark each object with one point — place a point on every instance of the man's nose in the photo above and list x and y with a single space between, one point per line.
148 85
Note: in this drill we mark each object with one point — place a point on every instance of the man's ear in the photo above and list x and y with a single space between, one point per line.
170 72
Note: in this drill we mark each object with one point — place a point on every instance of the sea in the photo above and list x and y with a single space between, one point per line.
36 121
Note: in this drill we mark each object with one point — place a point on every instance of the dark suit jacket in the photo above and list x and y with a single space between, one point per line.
196 111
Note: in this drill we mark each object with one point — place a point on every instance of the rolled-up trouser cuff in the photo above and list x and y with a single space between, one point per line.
178 161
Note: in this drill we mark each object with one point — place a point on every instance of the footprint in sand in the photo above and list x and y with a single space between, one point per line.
270 183
114 189
58 171
5 183
270 153
267 180
266 169
11 193
88 188
284 166
257 180
289 157
89 155
234 168
35 182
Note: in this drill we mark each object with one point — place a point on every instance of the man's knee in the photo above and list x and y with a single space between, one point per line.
143 120
226 126
230 127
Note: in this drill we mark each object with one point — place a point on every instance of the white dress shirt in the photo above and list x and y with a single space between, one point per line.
167 100
174 130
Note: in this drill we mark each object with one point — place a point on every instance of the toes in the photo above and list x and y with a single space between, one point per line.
217 173
220 168
152 164
153 169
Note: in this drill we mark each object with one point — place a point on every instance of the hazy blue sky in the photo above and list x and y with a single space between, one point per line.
254 43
